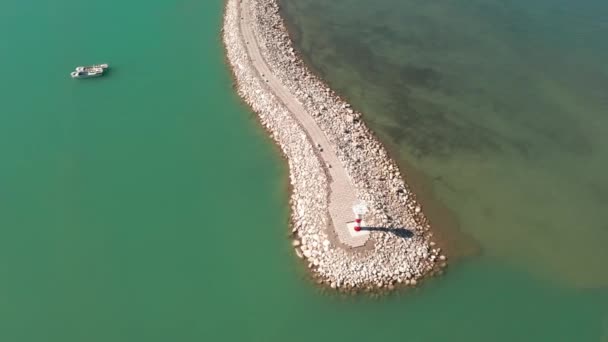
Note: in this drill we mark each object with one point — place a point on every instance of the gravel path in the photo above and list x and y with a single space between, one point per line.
341 191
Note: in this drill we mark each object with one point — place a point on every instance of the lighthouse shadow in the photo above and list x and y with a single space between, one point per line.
400 232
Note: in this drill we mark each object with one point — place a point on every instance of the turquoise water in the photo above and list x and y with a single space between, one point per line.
148 205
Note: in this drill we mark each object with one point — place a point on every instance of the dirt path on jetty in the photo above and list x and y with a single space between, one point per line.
341 191
300 113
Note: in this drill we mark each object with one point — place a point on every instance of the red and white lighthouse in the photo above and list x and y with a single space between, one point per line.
359 209
358 223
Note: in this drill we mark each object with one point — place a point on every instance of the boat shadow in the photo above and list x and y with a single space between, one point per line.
400 232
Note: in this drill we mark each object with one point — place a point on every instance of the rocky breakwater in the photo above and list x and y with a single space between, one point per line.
400 250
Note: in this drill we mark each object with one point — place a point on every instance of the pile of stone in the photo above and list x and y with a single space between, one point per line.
388 258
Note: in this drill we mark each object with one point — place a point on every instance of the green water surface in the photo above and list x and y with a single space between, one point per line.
148 205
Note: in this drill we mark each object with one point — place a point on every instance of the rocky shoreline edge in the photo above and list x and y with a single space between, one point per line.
402 251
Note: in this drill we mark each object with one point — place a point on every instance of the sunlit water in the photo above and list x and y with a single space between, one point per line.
148 205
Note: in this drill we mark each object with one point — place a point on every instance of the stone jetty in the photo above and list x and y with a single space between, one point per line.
334 160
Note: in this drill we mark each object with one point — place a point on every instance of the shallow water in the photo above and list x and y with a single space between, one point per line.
498 109
148 205
500 106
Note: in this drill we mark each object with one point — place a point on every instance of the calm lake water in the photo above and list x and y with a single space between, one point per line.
148 205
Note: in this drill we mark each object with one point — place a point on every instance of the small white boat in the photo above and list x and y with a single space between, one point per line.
89 71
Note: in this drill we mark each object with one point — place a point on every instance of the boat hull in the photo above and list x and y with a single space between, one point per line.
85 75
